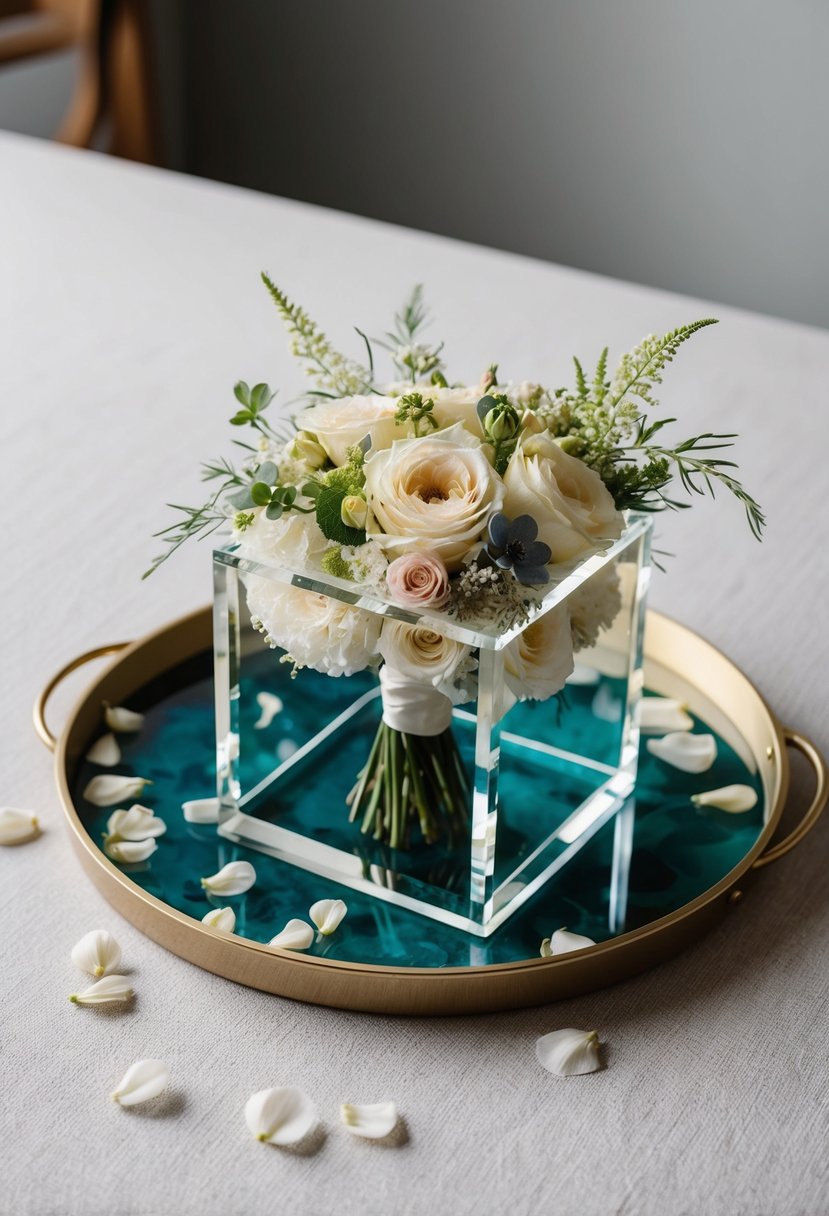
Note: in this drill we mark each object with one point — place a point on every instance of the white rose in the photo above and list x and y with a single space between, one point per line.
434 493
342 423
594 606
421 654
458 405
315 630
570 503
538 662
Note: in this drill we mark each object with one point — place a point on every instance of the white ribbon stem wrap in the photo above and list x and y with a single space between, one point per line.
411 708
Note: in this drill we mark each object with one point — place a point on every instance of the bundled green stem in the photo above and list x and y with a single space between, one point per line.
408 782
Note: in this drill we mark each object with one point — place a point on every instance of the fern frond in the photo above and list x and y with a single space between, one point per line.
600 378
640 370
581 382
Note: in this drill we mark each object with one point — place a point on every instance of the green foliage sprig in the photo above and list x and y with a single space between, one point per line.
335 374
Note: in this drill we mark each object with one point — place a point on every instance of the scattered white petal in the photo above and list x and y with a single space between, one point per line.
569 1052
280 1116
105 752
327 914
605 706
663 714
732 798
690 753
221 918
104 991
296 935
270 705
138 823
107 789
129 851
201 810
17 827
119 719
373 1120
233 879
583 675
97 952
143 1080
563 942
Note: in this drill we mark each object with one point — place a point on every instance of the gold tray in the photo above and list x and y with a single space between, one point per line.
678 663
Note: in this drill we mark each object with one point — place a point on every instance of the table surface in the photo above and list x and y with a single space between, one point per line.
129 305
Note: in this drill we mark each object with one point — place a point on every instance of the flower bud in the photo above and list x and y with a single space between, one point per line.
354 512
501 422
307 448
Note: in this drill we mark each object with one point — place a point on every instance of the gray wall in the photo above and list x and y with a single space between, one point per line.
678 144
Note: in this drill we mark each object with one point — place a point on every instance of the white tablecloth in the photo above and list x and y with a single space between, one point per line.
130 305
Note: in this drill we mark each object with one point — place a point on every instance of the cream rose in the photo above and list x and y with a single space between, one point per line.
569 501
420 654
340 424
315 630
294 540
457 405
435 493
538 662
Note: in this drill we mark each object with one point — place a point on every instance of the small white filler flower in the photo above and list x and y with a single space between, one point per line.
17 827
373 1120
233 879
569 1052
221 918
107 789
563 942
327 914
97 953
106 991
280 1116
732 798
143 1080
297 935
688 753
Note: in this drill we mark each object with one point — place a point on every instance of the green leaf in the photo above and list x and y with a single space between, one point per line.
241 418
329 506
312 489
267 472
261 493
241 500
260 397
274 510
484 406
242 393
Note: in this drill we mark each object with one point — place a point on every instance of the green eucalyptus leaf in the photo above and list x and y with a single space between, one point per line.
484 406
261 493
241 500
311 489
274 510
267 472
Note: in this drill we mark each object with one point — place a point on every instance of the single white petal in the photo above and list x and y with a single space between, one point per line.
662 714
327 914
732 798
221 918
201 810
105 752
690 753
104 991
296 935
138 823
119 719
143 1080
563 942
280 1116
17 827
270 705
129 851
97 952
233 879
108 789
373 1120
569 1052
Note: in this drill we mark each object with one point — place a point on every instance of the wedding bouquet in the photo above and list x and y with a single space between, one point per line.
457 501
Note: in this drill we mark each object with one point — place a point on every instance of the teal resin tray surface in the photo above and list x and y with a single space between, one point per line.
657 855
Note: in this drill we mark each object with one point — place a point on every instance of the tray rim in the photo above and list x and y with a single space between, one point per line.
266 968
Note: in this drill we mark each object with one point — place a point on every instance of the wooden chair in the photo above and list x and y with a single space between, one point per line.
113 98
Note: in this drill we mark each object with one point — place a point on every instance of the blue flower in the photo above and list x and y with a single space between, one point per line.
513 545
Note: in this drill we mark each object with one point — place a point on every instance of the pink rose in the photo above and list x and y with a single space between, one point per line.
418 580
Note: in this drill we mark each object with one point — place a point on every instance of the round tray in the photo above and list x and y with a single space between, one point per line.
171 668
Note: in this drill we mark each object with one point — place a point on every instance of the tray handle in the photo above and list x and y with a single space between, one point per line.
39 710
815 808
